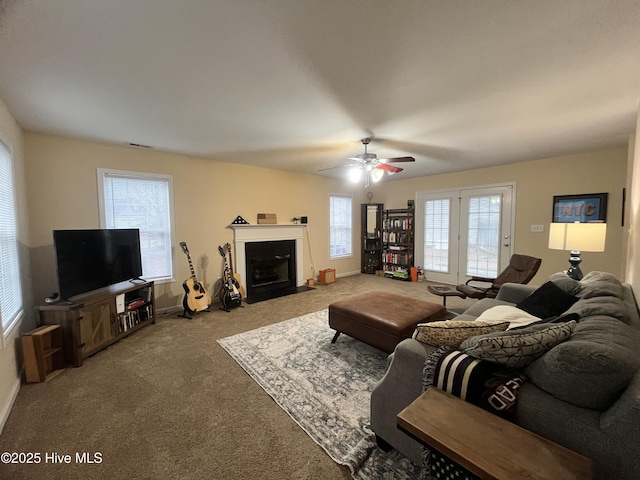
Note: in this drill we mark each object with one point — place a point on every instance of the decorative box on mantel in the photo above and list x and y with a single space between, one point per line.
243 234
267 219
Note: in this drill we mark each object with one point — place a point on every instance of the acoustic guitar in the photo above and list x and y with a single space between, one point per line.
235 275
229 293
196 298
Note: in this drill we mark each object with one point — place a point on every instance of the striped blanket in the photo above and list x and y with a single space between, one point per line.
485 384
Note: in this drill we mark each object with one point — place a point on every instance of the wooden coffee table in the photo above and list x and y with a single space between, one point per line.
485 444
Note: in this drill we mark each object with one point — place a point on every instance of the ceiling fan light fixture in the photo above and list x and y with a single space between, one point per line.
355 174
377 174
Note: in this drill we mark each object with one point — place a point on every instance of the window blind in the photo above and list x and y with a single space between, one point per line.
340 244
10 286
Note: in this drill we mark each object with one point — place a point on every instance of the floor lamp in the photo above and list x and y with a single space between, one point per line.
577 237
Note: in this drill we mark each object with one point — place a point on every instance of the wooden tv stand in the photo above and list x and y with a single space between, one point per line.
92 321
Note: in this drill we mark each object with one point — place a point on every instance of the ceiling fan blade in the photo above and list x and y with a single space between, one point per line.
397 159
340 166
389 168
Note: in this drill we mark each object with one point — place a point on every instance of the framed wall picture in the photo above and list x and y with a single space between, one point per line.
589 207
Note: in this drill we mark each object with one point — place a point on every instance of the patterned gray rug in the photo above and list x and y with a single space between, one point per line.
324 387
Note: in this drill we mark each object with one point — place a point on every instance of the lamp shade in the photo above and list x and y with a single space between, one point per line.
586 237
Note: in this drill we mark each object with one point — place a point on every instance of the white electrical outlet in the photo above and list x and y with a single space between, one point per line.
537 228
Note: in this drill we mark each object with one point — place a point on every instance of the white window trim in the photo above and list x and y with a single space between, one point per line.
102 172
350 255
10 331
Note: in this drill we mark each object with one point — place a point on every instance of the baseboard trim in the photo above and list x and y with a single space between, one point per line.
348 274
6 409
169 310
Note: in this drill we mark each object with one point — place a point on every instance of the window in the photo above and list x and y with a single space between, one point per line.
143 201
340 226
11 308
436 234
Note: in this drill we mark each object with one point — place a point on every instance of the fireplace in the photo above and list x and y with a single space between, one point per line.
271 269
272 276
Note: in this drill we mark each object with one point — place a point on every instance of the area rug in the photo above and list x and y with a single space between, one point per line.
324 387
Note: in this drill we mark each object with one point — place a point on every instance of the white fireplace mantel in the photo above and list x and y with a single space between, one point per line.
243 234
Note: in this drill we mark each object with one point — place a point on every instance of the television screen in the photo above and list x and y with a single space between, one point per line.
90 259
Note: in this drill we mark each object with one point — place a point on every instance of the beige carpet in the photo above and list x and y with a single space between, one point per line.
168 402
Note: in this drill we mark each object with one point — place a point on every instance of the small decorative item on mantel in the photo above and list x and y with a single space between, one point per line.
267 218
239 221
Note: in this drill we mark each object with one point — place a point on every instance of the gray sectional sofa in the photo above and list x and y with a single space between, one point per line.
584 393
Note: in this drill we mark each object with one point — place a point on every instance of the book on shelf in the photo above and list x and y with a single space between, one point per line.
138 302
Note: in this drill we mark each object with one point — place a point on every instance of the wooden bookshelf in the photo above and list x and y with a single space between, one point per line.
43 353
398 242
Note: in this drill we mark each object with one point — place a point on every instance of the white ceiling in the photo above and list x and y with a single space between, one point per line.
295 84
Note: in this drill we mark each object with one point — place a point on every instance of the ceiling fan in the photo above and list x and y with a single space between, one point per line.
370 166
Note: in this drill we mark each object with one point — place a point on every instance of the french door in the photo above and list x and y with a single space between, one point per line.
464 232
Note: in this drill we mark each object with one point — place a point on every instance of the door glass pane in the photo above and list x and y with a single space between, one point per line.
483 235
436 234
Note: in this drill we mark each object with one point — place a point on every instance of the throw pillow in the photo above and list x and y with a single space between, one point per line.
547 301
565 317
451 333
518 348
507 313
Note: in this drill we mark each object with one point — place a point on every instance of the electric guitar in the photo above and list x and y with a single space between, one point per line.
229 293
196 298
234 275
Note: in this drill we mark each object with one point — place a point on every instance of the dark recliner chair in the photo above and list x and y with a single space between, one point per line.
521 269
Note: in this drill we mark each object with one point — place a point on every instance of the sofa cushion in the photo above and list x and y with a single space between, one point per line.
451 333
518 348
599 284
565 282
604 305
508 313
547 301
592 367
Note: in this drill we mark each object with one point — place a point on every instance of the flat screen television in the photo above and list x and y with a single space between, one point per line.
90 259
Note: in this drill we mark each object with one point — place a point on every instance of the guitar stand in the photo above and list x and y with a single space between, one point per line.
186 315
229 310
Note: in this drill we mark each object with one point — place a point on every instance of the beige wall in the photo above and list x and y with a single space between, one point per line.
10 353
208 196
536 184
633 211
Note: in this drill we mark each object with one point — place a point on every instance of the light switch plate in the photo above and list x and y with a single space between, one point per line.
537 228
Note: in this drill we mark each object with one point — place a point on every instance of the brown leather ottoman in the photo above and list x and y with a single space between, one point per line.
381 319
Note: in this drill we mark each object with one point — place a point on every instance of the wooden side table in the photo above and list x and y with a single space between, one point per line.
485 444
